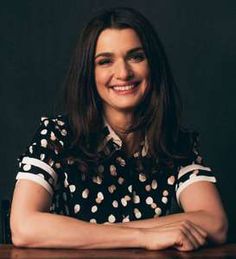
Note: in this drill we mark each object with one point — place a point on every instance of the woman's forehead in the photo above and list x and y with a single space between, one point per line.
112 40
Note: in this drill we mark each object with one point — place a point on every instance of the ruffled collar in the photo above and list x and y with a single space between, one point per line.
111 137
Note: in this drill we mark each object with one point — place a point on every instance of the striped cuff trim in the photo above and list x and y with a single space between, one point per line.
36 179
192 167
193 180
40 164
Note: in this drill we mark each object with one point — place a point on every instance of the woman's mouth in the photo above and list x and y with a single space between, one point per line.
125 89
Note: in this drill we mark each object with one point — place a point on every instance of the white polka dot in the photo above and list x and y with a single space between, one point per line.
153 205
70 161
154 184
85 193
149 200
148 188
115 204
44 143
130 188
111 188
61 142
31 149
113 170
52 136
58 165
60 123
158 211
136 199
76 208
63 132
97 179
111 218
98 200
51 162
27 167
124 202
126 219
94 209
43 132
93 221
136 154
142 177
121 180
66 181
137 213
164 200
51 181
171 180
127 198
121 161
165 193
42 156
46 122
100 195
72 188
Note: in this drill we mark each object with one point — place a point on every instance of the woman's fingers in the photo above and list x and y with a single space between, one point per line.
193 236
183 235
188 236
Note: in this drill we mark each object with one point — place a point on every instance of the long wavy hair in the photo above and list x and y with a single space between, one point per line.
159 113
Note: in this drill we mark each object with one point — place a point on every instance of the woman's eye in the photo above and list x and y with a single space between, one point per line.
137 57
104 61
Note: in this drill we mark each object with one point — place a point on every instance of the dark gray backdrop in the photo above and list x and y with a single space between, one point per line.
37 38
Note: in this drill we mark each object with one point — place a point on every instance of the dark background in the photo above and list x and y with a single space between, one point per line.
37 38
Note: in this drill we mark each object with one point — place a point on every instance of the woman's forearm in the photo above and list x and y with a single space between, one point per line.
215 226
49 230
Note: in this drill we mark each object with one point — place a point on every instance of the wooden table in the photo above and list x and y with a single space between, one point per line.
9 251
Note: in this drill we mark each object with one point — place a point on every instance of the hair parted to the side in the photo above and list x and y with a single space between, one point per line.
158 114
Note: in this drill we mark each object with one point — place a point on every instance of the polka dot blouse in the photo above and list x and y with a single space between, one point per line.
117 189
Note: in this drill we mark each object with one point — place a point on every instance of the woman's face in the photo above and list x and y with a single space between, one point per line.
121 69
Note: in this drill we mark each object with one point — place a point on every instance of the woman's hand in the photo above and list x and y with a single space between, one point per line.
182 235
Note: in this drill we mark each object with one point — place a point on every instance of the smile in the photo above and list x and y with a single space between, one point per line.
123 88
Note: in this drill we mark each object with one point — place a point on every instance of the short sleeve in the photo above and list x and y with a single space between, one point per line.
41 160
193 169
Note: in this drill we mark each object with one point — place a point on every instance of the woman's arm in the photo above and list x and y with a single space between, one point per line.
33 226
202 206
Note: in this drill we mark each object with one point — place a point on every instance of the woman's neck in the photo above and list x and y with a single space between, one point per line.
120 123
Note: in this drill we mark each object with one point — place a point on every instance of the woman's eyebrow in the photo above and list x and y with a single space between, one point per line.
110 54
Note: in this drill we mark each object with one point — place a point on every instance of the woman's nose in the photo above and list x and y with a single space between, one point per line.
123 71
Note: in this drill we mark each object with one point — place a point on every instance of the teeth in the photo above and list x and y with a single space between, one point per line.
123 88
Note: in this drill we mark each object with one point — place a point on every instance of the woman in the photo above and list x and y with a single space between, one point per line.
104 174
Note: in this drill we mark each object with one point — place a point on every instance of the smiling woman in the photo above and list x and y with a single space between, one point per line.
104 174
